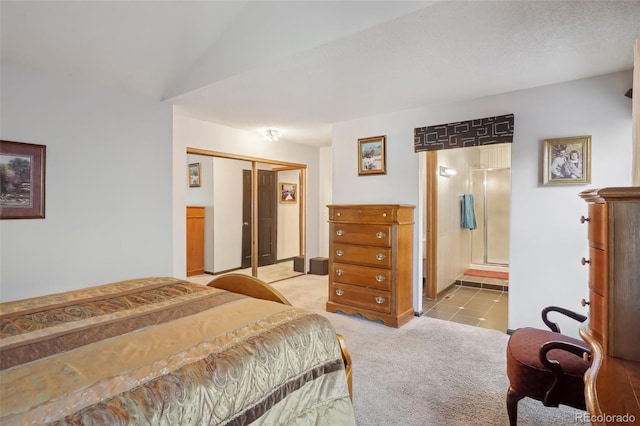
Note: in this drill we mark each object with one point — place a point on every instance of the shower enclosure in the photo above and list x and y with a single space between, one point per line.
491 189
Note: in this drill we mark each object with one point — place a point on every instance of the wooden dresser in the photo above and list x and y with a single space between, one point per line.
371 261
612 384
195 240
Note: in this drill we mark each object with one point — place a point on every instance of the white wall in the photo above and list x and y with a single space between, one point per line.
453 241
547 240
325 198
108 186
194 133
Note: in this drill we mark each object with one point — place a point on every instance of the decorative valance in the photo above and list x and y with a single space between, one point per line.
483 131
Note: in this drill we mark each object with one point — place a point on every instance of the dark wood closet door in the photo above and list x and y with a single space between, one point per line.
267 218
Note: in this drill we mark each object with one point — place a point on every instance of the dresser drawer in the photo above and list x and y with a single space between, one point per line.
363 255
597 314
364 276
362 215
598 271
598 224
368 298
377 235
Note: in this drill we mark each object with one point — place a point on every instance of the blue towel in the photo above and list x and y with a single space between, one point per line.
467 213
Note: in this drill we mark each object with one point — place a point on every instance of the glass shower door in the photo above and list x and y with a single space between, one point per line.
491 189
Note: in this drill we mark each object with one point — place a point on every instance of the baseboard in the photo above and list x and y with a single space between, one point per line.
223 272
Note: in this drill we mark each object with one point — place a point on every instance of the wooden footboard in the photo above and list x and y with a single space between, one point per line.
254 287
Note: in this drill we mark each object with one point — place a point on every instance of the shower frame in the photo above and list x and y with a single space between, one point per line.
485 227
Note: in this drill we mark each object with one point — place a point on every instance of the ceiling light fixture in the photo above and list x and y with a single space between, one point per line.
271 135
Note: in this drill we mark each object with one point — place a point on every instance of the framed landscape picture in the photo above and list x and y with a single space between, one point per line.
288 193
371 156
22 180
567 161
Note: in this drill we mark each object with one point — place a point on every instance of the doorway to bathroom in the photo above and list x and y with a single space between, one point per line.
466 268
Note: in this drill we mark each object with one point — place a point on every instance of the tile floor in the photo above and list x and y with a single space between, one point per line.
477 301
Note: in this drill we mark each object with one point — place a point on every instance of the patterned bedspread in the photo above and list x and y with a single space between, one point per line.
163 351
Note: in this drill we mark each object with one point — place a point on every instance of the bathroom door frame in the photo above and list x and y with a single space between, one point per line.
431 226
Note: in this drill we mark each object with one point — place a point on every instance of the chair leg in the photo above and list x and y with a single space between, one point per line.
512 405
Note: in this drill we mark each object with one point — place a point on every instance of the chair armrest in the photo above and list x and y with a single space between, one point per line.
550 397
554 326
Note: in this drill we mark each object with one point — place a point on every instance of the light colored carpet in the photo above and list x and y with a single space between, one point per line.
269 274
428 372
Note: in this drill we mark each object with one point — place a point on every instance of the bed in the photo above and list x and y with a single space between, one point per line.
167 351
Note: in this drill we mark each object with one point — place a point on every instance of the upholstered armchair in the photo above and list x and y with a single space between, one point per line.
546 365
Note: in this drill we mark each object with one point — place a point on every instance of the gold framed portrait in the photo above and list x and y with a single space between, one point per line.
567 161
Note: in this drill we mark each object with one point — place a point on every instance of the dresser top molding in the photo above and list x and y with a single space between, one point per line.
372 213
602 195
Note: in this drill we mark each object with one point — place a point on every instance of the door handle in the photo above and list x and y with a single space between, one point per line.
245 223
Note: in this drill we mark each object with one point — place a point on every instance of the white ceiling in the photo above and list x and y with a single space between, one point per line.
299 66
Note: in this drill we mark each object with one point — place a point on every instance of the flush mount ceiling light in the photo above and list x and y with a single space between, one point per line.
446 172
271 135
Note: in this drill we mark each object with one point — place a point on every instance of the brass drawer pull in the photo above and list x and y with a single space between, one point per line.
384 215
340 252
584 261
338 214
584 302
380 256
339 292
380 234
339 272
380 300
339 232
584 219
380 278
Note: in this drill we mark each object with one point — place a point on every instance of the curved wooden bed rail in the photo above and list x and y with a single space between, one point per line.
249 286
254 287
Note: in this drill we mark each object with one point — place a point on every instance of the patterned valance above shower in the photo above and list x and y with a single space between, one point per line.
483 131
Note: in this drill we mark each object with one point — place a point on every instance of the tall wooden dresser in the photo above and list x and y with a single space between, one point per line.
371 261
612 384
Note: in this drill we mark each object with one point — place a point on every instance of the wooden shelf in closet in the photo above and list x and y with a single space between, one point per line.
195 240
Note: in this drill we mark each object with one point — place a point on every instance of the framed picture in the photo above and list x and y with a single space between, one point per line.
22 170
194 175
288 193
567 161
371 156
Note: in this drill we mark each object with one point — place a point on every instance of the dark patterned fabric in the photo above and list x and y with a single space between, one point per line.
529 377
483 131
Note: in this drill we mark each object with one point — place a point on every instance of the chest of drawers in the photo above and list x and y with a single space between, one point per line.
614 269
371 261
612 384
